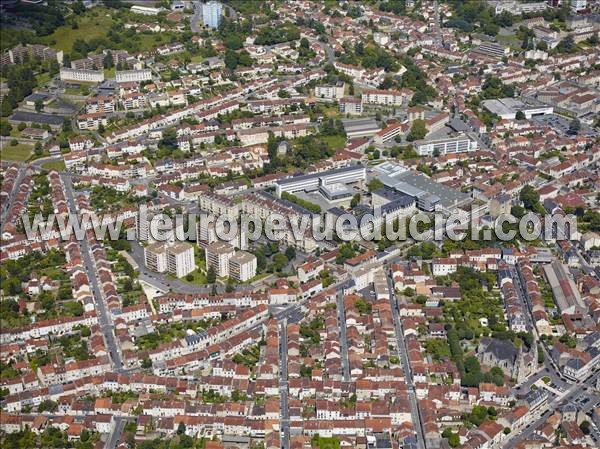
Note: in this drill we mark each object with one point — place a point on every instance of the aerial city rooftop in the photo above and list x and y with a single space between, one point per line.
300 225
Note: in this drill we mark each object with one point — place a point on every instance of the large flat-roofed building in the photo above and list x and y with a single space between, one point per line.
81 75
346 175
217 257
360 127
335 192
127 76
507 108
492 49
145 10
563 288
242 266
54 121
459 144
428 194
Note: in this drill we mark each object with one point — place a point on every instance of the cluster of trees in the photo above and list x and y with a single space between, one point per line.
21 82
233 59
312 207
415 80
44 19
346 251
493 87
478 414
332 128
369 57
311 331
477 15
309 149
397 7
452 437
51 437
14 272
417 131
364 307
275 35
317 26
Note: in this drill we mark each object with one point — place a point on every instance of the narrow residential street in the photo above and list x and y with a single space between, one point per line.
104 318
341 316
283 384
403 355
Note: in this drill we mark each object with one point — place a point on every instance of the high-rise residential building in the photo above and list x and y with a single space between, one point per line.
242 266
218 255
211 14
176 258
156 257
180 259
578 5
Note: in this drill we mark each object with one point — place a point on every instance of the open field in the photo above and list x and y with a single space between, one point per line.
17 153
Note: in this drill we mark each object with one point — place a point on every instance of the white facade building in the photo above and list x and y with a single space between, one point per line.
218 255
211 14
86 76
242 266
126 76
461 144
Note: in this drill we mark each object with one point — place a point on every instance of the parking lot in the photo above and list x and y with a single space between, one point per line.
561 124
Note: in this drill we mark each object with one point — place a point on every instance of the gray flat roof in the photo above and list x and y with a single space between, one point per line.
448 196
34 117
295 179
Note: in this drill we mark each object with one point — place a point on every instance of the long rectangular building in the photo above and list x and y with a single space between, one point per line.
459 144
346 175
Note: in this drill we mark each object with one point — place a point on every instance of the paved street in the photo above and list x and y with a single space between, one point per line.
283 385
6 206
341 316
572 392
403 355
104 318
117 431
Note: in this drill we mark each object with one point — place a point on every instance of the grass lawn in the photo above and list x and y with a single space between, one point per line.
332 112
54 165
42 78
199 278
110 73
18 153
90 27
335 142
326 443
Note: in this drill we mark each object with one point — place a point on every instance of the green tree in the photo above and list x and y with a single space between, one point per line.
5 128
520 115
374 184
39 105
211 275
290 252
418 130
280 260
529 197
